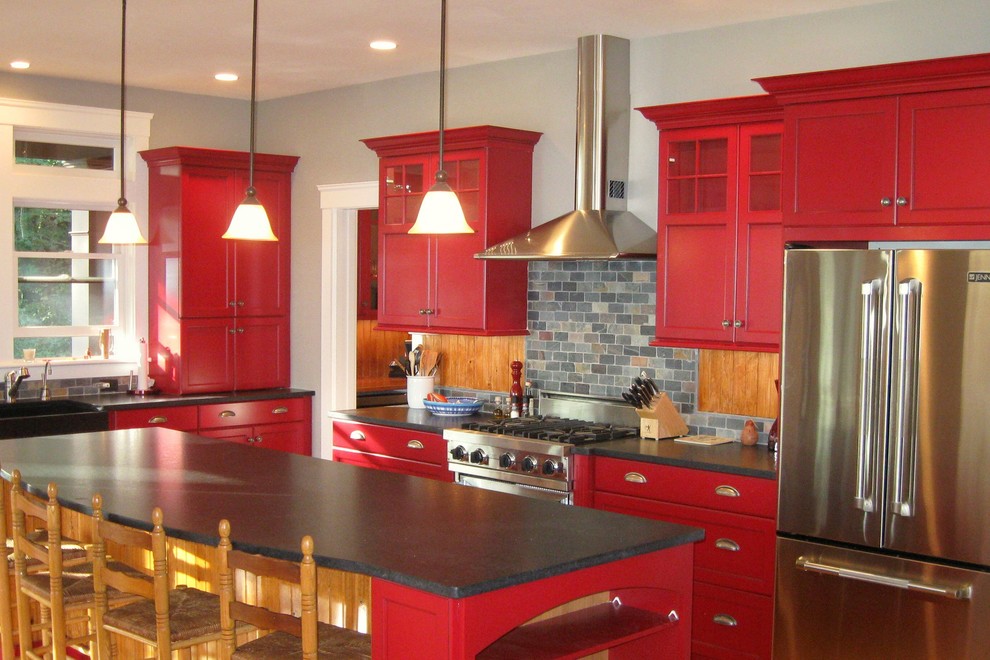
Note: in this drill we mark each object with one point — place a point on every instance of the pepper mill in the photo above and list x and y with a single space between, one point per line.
516 391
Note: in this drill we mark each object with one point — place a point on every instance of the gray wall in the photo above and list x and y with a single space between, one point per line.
535 93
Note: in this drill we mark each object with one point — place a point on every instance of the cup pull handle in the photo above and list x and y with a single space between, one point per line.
414 444
281 410
227 413
726 491
357 435
635 477
727 544
158 419
725 620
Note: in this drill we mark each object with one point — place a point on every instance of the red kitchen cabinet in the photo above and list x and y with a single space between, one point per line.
416 453
720 245
201 285
434 283
890 152
180 418
733 565
282 424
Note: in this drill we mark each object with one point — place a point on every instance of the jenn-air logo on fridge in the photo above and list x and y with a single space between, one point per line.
977 276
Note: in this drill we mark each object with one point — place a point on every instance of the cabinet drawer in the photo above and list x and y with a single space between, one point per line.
180 418
242 413
702 488
400 465
737 551
387 441
726 623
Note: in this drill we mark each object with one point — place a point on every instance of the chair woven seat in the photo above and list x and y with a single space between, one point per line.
192 614
72 550
77 585
334 643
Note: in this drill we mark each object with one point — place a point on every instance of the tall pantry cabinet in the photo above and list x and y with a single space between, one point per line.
218 309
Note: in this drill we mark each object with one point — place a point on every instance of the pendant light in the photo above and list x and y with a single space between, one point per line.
441 212
122 227
250 221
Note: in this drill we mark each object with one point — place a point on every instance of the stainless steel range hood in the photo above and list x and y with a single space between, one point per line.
599 227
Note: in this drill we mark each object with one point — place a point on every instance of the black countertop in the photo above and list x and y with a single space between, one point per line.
732 458
438 537
125 401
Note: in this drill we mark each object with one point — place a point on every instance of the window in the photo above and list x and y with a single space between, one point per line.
66 282
59 183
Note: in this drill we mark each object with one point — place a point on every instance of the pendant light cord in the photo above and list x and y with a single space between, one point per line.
123 51
441 172
254 70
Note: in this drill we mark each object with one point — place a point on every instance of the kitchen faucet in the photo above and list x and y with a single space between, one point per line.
46 394
12 383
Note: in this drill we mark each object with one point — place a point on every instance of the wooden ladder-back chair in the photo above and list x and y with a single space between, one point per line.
163 618
291 636
56 579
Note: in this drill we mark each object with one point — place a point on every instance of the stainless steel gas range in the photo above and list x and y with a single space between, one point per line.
531 456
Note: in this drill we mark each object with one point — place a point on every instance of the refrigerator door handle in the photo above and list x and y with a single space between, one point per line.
906 436
961 592
867 430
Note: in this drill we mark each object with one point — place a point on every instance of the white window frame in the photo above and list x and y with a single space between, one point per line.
34 186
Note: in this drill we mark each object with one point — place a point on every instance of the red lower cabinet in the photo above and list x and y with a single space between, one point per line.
733 565
416 453
180 418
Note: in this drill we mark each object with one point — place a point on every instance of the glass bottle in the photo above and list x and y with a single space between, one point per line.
527 400
498 412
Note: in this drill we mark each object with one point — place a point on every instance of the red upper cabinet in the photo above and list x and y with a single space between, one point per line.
434 283
720 251
891 152
218 309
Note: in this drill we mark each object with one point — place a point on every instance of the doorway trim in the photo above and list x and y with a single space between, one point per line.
339 204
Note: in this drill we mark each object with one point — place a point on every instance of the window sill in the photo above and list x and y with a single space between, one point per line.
63 368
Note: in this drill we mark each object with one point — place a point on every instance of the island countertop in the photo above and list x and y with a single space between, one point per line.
436 537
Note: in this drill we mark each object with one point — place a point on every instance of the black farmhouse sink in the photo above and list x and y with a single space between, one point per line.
29 418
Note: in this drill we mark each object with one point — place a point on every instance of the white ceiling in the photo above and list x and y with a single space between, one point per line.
311 45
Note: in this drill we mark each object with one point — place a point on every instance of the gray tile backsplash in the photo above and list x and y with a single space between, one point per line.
590 325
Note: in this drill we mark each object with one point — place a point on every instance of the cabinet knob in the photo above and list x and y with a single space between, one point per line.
422 311
635 477
902 201
428 311
726 491
726 323
737 324
240 303
240 330
356 435
232 331
258 440
885 201
725 620
158 419
727 544
232 303
414 444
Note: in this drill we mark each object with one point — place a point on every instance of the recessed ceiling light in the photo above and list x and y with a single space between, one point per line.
20 64
383 44
226 77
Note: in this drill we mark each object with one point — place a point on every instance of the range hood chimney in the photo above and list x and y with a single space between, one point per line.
599 227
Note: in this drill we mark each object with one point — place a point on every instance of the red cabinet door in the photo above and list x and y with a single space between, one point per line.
205 288
696 243
261 352
944 158
293 437
204 362
404 279
840 163
759 263
261 268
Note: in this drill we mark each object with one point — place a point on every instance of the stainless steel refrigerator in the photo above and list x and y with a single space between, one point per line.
883 546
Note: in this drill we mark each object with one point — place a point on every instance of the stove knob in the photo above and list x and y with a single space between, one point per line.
550 467
479 456
458 453
506 460
529 464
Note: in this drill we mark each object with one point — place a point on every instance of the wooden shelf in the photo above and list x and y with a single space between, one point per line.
577 634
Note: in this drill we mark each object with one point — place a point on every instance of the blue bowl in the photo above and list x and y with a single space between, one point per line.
453 407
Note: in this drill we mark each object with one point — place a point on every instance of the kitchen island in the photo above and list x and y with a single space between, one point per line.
455 572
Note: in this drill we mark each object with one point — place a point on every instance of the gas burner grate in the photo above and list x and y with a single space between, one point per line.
554 429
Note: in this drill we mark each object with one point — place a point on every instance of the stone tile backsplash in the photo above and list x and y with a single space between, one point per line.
590 325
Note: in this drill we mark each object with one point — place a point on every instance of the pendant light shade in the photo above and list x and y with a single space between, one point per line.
441 211
122 227
250 221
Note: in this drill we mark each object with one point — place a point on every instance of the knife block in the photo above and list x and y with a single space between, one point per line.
661 420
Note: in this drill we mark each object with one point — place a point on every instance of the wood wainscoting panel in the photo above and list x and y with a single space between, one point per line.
376 348
477 363
738 383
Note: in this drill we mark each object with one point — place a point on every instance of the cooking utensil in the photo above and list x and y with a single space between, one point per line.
436 365
632 399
